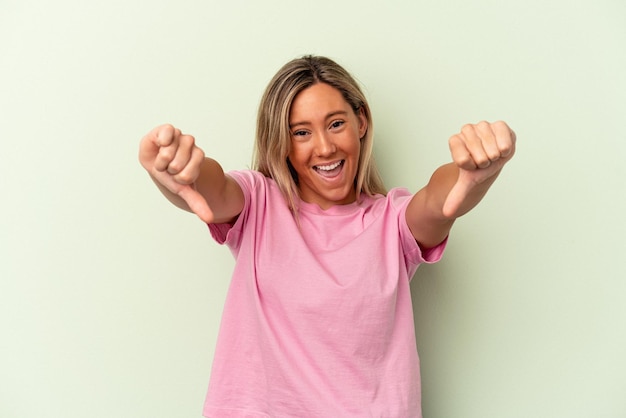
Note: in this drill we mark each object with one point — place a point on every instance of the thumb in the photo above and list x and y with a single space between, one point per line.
469 189
197 203
455 199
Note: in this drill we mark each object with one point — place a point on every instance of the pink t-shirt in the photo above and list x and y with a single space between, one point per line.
318 321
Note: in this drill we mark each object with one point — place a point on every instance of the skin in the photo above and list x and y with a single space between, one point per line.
187 178
479 152
325 131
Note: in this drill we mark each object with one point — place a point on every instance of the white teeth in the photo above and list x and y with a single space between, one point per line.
328 167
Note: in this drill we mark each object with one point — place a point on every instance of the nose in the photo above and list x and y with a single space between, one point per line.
324 145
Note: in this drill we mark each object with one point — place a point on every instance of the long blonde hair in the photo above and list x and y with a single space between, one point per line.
273 139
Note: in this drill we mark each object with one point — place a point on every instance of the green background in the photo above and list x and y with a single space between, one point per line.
110 298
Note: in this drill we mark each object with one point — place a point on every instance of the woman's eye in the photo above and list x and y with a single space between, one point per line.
336 124
299 133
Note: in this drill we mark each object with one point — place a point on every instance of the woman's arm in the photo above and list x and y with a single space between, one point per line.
479 152
187 178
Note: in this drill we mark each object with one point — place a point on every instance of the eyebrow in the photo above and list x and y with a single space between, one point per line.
328 116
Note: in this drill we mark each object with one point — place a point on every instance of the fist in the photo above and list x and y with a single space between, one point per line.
483 145
171 158
479 152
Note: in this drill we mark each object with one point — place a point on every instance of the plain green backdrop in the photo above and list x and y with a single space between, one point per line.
110 298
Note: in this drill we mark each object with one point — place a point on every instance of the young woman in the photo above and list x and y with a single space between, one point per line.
318 320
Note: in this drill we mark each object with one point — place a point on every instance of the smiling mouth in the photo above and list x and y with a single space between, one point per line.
329 170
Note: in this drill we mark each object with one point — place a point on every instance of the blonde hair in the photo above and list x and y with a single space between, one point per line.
273 138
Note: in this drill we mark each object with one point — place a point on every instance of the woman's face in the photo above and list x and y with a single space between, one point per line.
325 145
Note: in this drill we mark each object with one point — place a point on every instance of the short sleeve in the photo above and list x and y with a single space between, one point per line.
414 255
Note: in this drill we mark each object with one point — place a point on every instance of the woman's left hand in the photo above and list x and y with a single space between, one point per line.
479 151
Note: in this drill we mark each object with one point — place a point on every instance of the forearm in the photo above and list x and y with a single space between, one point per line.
479 153
221 192
425 213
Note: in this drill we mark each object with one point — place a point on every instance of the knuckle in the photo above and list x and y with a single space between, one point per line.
479 160
493 152
187 140
185 177
467 128
167 130
167 153
484 126
483 162
508 150
455 140
198 153
464 161
164 135
174 167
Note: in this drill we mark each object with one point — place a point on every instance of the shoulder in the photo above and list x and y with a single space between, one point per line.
258 190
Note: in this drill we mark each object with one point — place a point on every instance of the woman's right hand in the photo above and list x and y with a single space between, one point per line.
174 161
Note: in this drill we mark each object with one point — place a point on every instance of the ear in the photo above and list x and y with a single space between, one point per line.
363 125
